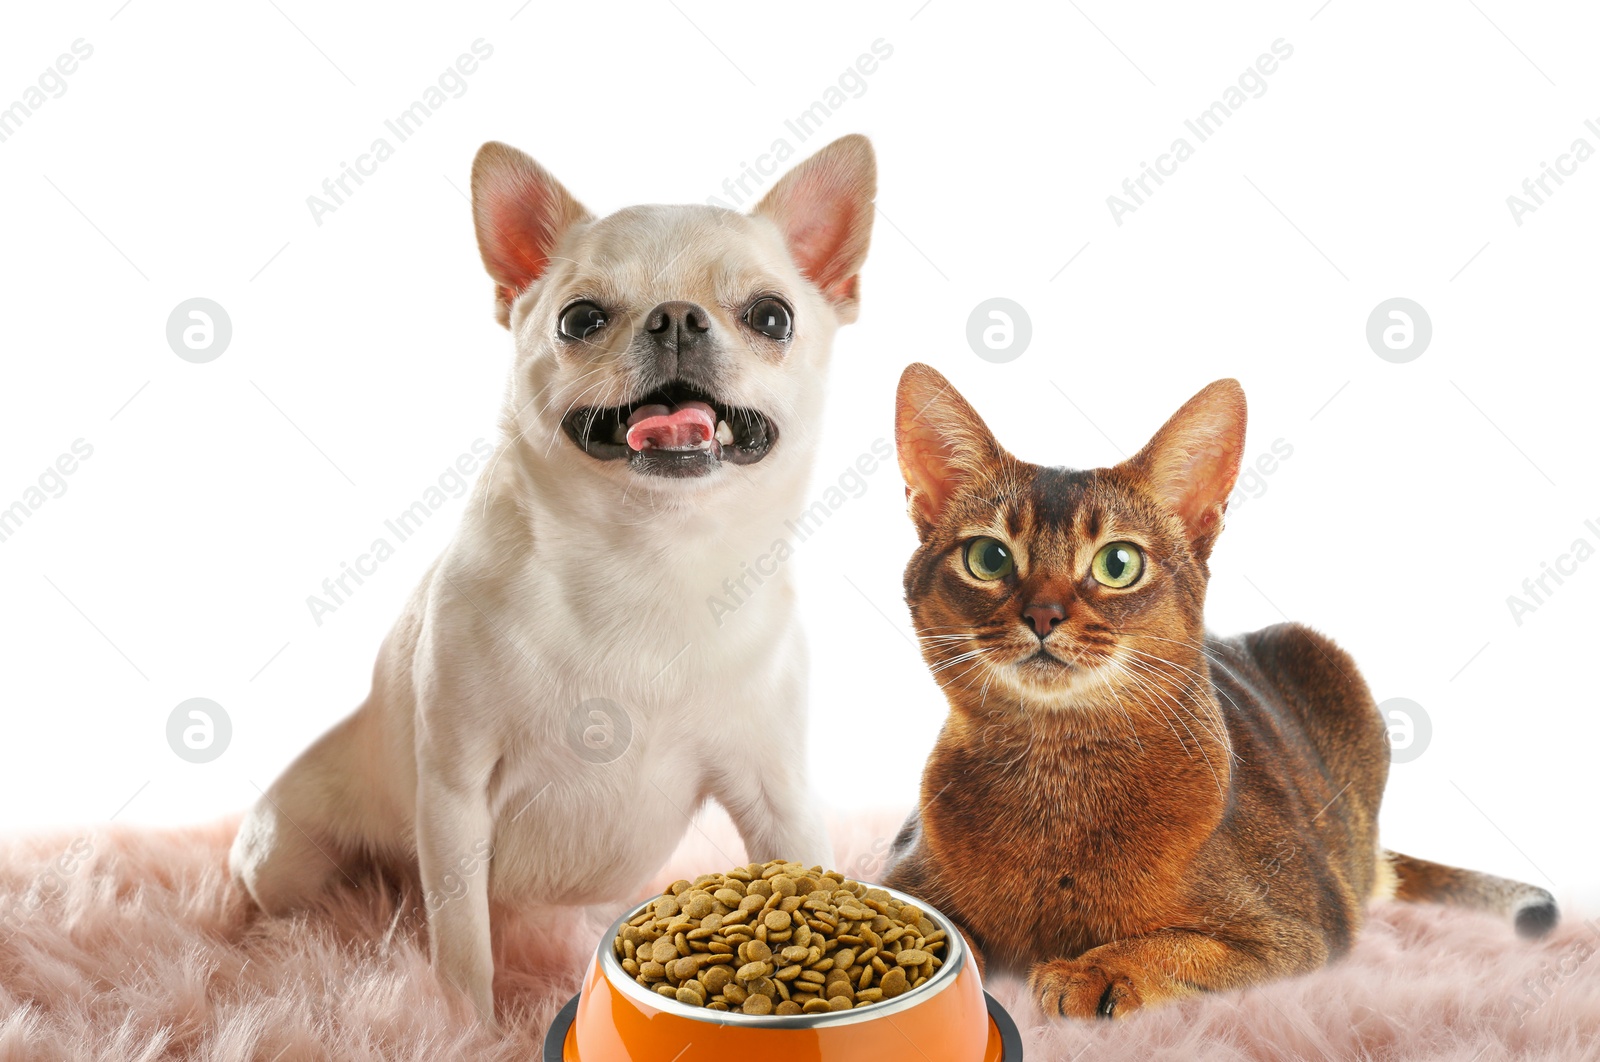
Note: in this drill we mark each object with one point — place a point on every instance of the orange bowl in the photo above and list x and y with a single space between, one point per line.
949 1019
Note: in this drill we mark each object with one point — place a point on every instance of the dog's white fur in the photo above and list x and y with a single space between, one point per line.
572 579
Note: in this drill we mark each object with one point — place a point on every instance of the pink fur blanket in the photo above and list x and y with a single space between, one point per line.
131 945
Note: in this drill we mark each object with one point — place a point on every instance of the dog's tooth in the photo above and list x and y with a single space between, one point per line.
620 435
724 433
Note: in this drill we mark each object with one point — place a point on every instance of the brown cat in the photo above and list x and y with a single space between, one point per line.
1120 805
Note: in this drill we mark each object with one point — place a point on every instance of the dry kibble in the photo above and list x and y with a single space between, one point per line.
779 938
752 971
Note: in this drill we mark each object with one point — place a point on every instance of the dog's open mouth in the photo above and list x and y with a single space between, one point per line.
676 430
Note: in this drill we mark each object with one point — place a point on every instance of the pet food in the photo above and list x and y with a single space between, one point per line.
779 938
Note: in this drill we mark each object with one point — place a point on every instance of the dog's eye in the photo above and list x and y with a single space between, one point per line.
770 317
582 320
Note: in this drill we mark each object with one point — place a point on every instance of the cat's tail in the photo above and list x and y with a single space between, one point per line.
1531 909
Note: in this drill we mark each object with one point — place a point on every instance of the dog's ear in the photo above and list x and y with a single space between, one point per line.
521 213
823 207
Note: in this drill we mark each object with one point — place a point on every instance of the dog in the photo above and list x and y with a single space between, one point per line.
554 703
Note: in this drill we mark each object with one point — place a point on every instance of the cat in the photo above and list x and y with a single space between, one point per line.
1124 808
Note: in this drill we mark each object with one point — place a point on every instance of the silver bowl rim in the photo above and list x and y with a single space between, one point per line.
945 976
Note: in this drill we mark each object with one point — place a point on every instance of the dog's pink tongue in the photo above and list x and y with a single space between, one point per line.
658 427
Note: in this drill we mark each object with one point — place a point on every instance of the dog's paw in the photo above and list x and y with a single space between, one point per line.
1071 989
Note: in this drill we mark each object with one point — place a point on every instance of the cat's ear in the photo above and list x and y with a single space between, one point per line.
942 443
521 213
1192 462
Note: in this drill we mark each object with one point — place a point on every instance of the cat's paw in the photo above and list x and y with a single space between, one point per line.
1083 990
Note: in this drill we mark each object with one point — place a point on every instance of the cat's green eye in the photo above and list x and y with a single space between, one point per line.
1117 565
988 559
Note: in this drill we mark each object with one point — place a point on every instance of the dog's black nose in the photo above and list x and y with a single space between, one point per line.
677 327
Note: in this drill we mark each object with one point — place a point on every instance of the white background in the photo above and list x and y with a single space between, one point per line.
365 359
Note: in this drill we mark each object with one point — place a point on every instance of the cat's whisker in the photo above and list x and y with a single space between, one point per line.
1207 651
974 655
1221 739
1144 688
1215 777
1166 703
1132 726
970 654
1204 679
1197 707
1201 682
1215 727
1196 675
968 670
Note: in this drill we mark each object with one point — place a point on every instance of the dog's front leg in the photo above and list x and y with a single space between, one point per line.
766 795
454 846
780 819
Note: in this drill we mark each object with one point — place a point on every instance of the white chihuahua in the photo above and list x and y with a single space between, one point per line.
555 702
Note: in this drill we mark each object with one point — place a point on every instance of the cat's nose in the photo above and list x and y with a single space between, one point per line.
1043 617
